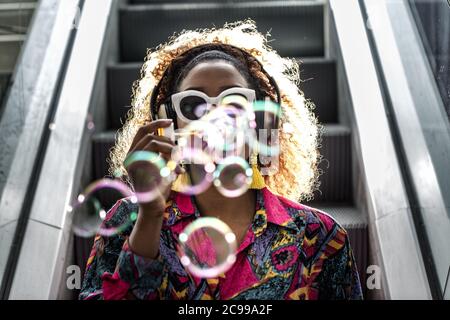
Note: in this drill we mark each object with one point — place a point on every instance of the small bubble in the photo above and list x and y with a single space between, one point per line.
231 259
52 126
210 167
76 19
165 172
183 237
90 125
102 214
171 165
117 173
230 237
368 24
185 261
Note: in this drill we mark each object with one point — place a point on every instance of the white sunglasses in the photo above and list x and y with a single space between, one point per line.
191 105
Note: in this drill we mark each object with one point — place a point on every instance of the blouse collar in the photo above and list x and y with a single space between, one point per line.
270 208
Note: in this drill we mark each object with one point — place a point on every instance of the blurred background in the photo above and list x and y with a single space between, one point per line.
378 72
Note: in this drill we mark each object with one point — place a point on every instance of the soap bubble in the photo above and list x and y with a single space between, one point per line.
207 247
90 207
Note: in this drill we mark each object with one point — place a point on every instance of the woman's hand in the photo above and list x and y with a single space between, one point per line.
144 239
146 177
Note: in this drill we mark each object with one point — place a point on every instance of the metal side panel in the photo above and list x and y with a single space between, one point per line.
33 85
296 26
421 119
60 172
35 264
6 238
403 270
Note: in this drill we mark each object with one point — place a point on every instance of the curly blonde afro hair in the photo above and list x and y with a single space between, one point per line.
297 176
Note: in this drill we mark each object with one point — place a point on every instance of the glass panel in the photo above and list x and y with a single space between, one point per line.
15 17
433 21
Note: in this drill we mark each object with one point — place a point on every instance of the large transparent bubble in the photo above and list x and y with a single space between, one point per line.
90 208
233 176
207 247
150 174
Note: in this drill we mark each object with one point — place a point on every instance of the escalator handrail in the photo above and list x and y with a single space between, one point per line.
421 126
24 122
394 241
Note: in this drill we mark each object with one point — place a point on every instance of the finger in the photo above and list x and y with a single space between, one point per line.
152 127
167 191
148 129
161 138
159 147
147 139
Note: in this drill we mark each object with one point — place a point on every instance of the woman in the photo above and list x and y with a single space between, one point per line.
285 250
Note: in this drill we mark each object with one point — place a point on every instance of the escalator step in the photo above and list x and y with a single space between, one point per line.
348 216
15 17
354 221
120 81
336 180
297 28
101 143
4 84
10 46
318 77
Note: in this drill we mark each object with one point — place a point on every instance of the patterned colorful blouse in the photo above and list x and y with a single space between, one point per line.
291 251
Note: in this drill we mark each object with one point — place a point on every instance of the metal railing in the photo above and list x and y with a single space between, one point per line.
422 129
22 125
394 240
49 223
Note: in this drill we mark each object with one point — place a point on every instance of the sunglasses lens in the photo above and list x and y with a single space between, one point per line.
193 107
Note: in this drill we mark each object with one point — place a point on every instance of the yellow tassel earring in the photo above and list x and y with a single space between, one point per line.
258 180
182 181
